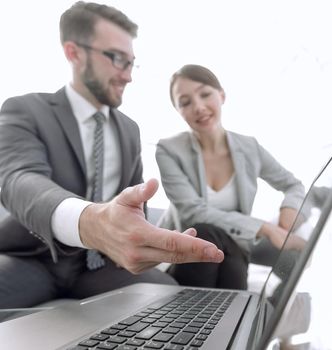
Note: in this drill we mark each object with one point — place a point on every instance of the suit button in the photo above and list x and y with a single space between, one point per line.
238 232
232 230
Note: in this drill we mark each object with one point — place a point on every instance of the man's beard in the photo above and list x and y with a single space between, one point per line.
95 87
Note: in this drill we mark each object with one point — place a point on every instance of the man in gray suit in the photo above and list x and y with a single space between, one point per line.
48 172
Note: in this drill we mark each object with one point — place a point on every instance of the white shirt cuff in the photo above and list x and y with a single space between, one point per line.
65 221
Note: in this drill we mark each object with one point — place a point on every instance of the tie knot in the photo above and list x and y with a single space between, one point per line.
99 117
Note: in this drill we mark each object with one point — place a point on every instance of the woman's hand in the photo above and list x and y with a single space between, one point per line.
277 235
287 218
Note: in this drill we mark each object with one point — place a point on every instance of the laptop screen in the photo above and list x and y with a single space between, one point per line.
287 289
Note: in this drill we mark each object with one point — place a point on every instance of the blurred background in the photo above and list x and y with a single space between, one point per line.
273 58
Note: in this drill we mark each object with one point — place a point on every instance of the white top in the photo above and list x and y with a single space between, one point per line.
66 216
226 199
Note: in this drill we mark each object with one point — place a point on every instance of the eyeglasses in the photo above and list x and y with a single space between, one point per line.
118 59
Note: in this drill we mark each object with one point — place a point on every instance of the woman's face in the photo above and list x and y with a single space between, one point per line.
199 104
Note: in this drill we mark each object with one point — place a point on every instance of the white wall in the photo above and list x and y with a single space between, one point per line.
274 59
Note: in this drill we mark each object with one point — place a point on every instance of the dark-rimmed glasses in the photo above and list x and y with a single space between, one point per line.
118 59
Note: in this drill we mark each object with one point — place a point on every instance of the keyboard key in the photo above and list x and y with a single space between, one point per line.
148 320
174 347
196 343
166 319
189 329
100 337
148 333
196 324
184 319
137 327
107 346
130 320
163 337
171 330
160 324
116 339
110 331
209 326
126 347
201 336
135 342
178 325
153 345
182 338
142 314
156 316
118 326
127 334
161 312
89 343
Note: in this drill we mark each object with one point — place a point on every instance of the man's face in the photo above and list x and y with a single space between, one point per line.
101 75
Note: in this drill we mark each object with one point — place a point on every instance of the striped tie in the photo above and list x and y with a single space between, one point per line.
94 259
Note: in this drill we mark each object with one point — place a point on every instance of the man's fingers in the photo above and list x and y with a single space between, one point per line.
147 257
182 248
136 195
190 232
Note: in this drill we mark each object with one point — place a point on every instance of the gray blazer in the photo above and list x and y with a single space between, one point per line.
42 163
182 173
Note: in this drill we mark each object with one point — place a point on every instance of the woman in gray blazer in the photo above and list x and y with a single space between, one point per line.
210 176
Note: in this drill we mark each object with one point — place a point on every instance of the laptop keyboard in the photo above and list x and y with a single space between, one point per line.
180 322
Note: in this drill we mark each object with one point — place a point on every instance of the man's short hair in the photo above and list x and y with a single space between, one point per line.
78 22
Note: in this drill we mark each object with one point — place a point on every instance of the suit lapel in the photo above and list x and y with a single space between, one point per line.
66 118
69 124
240 171
198 164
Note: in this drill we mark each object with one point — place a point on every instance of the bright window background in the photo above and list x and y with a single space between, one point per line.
274 59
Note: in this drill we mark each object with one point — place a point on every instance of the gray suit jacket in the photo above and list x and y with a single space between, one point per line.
183 177
42 163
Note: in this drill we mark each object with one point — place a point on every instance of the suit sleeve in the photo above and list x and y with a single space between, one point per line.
27 190
282 180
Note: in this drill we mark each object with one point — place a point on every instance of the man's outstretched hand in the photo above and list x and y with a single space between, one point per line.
119 230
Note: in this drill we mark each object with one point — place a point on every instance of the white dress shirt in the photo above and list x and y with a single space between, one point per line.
66 216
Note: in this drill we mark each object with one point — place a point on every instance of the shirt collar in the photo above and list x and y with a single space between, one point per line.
83 109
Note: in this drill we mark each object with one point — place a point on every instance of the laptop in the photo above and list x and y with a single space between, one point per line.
153 316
